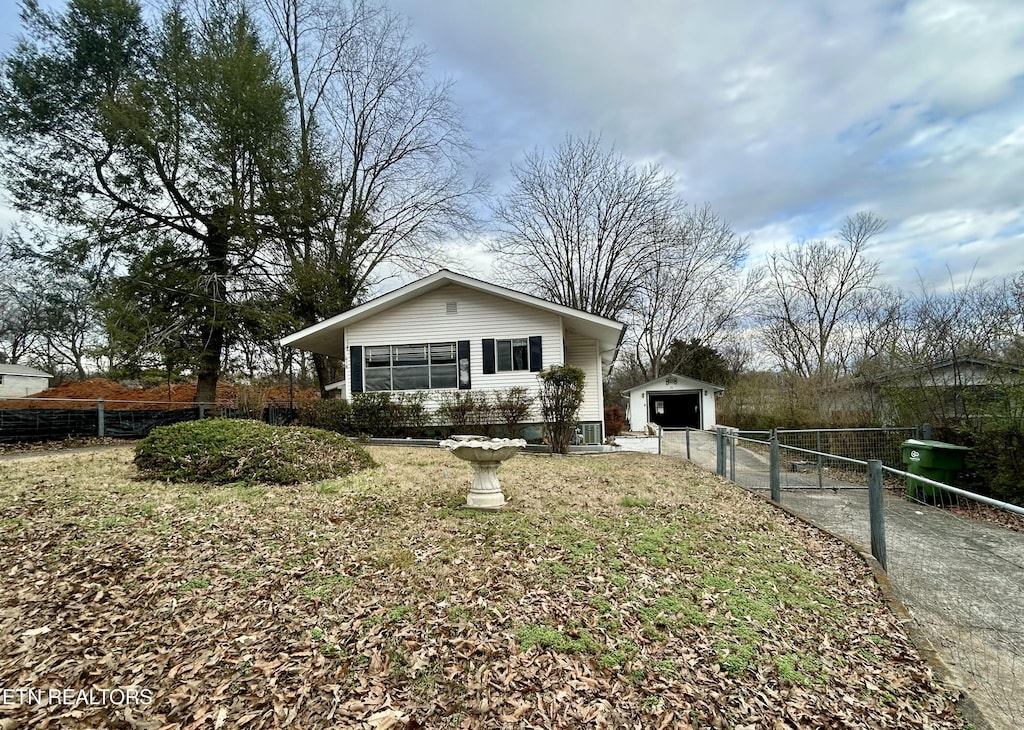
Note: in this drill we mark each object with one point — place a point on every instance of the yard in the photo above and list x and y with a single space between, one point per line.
618 590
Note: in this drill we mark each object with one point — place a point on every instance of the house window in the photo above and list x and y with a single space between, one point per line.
411 367
1 379
512 355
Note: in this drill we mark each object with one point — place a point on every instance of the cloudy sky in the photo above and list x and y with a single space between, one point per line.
784 116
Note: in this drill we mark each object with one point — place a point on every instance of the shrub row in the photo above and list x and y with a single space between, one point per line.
995 463
389 415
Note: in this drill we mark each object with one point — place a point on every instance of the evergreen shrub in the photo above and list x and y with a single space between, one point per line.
221 451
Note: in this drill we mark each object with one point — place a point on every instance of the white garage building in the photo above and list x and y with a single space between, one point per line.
672 401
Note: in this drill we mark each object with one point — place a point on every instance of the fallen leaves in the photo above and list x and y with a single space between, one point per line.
376 602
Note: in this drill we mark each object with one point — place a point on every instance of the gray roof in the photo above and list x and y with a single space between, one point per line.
22 370
930 367
325 337
687 378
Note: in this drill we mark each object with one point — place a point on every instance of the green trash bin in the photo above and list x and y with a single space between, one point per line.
935 460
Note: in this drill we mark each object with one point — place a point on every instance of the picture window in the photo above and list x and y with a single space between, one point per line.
411 367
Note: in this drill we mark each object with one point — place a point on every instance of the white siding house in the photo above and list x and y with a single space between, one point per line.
449 332
673 401
18 381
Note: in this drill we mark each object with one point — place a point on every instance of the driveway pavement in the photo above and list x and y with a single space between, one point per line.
961 579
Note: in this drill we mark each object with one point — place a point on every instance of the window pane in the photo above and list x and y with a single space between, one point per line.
410 355
443 376
442 353
504 353
378 357
377 379
410 377
520 355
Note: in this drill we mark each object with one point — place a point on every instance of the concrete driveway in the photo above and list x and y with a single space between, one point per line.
961 579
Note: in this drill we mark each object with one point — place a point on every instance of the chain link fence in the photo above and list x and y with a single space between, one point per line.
955 558
48 419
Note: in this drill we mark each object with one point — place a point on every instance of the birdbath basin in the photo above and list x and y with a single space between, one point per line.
486 456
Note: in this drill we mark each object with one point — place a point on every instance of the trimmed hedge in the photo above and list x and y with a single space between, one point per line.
384 414
220 451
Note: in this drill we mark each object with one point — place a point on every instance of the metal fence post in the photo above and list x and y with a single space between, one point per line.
735 434
720 451
821 482
877 510
101 427
927 432
688 444
202 411
661 432
774 478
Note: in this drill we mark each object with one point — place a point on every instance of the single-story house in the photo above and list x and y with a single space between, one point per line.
943 390
965 372
672 401
449 332
18 381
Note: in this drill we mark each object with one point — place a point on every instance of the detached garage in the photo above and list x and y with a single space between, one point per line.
672 401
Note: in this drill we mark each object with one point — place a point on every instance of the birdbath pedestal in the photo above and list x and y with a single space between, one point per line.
486 456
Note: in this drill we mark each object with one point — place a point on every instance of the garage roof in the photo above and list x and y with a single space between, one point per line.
683 379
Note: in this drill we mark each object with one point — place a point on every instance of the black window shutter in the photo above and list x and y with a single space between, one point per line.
464 381
536 355
488 357
355 357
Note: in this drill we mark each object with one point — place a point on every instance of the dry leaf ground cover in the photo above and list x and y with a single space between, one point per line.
620 590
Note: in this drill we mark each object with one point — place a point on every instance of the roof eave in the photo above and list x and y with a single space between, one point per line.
614 328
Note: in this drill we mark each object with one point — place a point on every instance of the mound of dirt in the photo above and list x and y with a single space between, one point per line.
85 393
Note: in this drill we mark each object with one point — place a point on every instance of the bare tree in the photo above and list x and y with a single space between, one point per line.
815 292
49 298
694 289
583 226
970 320
380 157
18 331
944 335
1015 347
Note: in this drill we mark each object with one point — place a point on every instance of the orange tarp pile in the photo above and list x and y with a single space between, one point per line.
123 397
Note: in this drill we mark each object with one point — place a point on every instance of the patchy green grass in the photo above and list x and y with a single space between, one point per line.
613 590
630 501
548 637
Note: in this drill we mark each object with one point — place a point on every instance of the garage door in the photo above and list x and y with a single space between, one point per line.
674 409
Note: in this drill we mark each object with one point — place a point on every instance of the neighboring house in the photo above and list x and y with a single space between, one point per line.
449 332
673 401
18 381
943 391
966 372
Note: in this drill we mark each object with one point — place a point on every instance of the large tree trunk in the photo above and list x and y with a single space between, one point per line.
214 315
208 366
323 377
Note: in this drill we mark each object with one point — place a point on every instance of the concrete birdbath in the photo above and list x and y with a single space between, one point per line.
486 456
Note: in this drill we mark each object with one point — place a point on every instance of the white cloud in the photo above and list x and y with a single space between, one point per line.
785 116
